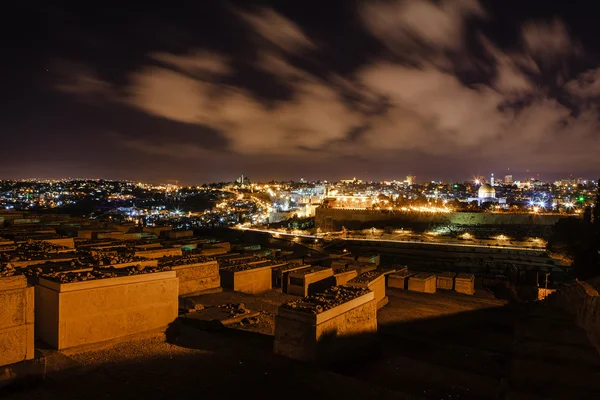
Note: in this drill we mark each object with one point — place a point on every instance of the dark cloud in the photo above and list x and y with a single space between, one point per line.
148 93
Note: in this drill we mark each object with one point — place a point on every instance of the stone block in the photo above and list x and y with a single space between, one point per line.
253 280
445 280
399 280
465 283
330 336
342 277
311 280
280 274
85 313
16 320
194 278
422 282
375 281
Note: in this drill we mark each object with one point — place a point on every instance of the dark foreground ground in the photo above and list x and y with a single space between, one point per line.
442 346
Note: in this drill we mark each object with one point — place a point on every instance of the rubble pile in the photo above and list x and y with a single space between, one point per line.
241 267
31 249
138 269
332 297
169 261
235 309
112 259
71 277
7 270
367 277
231 263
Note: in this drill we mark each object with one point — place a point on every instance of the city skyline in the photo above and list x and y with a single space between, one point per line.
280 91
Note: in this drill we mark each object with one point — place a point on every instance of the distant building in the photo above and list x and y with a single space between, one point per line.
351 181
486 194
508 179
243 180
409 180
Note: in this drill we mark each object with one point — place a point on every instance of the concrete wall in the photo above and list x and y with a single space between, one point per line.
330 336
16 320
194 278
90 312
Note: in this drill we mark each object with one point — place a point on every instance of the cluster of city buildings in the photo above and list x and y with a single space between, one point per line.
244 202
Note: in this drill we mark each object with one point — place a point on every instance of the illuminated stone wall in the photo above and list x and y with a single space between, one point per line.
16 320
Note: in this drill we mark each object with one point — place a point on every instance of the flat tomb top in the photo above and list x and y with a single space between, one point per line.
465 277
423 276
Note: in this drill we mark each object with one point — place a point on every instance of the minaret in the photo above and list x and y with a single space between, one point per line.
492 180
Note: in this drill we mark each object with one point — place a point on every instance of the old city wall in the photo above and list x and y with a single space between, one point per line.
334 219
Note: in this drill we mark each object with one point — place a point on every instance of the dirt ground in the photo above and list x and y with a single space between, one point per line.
432 346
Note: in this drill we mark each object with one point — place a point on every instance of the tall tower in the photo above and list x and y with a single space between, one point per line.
492 180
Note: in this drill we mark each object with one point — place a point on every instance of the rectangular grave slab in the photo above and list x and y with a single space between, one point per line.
399 280
423 282
250 280
16 320
445 280
465 283
280 274
197 277
80 314
334 335
342 277
311 280
375 281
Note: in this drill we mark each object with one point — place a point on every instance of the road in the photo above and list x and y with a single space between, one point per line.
321 237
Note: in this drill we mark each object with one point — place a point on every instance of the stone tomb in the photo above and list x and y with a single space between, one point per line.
142 264
375 281
332 335
16 320
197 277
158 253
465 283
399 280
445 280
80 314
280 274
343 276
424 282
310 280
246 278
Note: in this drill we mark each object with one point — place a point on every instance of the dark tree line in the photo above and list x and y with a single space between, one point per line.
579 238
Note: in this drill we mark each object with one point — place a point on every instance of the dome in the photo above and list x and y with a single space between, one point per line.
486 191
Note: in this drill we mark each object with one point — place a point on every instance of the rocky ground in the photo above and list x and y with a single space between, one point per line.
433 346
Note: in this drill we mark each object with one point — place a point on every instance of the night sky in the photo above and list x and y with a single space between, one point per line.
209 90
